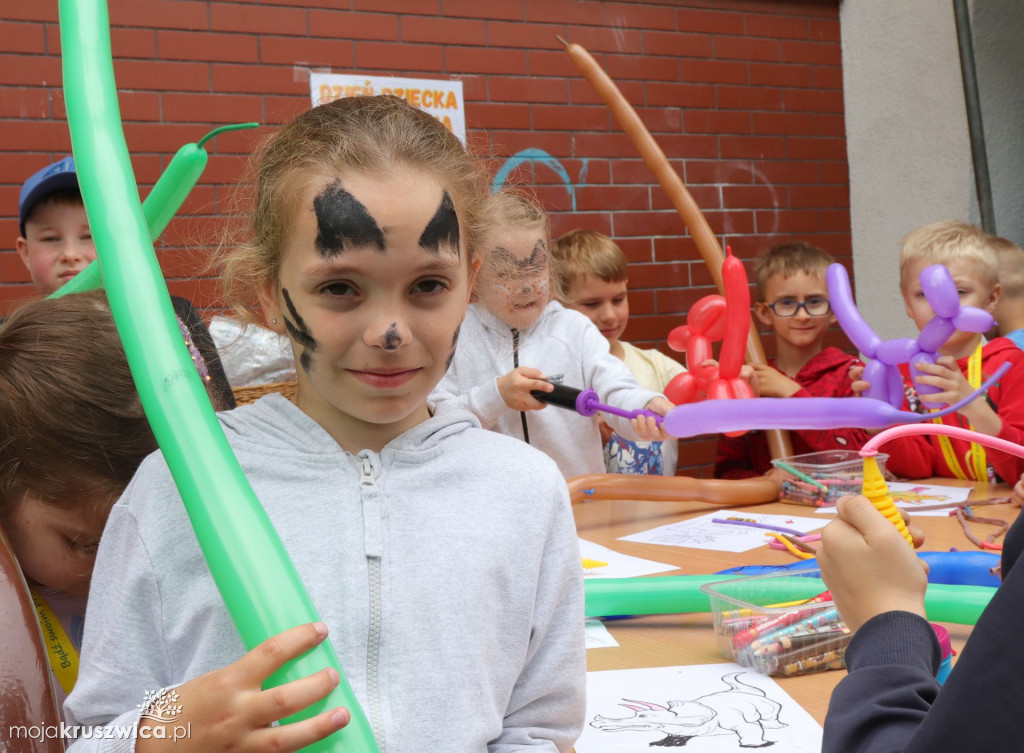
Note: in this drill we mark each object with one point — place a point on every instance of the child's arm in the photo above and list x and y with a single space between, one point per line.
488 397
125 656
1005 422
547 705
890 700
515 388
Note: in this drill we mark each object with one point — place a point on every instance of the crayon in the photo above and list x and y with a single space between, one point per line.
827 660
796 627
782 620
803 642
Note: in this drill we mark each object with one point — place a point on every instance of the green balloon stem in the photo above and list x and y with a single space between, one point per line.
163 202
249 565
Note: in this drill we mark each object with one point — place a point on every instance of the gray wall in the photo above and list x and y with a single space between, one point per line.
909 150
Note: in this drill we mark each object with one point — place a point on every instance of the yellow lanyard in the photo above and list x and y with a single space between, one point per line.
975 457
59 649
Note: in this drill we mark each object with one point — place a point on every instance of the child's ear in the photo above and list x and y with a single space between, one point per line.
22 246
993 298
270 305
474 270
763 313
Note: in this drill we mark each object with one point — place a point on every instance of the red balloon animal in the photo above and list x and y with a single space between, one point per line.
714 318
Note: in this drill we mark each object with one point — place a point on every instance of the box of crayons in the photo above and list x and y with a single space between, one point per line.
782 624
818 479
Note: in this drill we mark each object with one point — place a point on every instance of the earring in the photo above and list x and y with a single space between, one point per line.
273 321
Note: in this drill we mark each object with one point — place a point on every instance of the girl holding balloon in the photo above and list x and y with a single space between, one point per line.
442 558
518 339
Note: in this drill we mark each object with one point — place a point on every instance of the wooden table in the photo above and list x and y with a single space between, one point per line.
686 639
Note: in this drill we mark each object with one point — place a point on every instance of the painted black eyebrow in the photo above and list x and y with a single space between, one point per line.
442 228
343 221
535 259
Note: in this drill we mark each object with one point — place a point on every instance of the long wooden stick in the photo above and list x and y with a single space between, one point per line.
708 245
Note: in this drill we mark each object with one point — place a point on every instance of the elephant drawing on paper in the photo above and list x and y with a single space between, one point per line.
742 710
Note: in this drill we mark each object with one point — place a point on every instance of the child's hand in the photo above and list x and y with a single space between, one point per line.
516 385
868 566
747 374
772 382
647 427
946 375
857 384
1017 495
228 709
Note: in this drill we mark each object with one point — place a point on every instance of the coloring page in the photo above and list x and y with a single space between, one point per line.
736 532
708 707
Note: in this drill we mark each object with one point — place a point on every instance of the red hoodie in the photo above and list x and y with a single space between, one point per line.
921 456
825 375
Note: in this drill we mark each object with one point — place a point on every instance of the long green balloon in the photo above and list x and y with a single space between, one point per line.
255 577
676 594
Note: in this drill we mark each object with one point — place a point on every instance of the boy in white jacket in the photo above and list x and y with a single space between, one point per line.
516 340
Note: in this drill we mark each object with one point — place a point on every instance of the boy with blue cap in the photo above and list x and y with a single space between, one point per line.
55 244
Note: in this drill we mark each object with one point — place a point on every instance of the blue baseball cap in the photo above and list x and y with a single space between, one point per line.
56 177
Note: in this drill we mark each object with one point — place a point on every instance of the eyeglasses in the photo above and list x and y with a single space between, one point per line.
814 306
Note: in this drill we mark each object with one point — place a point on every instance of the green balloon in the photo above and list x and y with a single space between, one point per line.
677 594
252 571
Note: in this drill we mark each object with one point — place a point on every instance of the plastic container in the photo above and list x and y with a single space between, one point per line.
758 625
947 653
841 472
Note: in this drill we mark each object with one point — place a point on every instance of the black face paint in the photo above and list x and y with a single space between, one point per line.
299 332
443 228
455 341
343 222
533 264
391 339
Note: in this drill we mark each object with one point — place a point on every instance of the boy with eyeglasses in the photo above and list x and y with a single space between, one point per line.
792 299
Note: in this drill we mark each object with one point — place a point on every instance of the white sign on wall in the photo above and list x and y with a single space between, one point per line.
442 99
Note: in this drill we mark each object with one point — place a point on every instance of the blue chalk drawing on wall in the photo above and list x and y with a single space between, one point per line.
543 158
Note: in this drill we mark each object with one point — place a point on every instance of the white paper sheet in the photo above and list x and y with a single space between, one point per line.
719 707
931 500
597 634
619 565
702 533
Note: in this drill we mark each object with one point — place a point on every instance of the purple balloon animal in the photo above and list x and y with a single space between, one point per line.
883 370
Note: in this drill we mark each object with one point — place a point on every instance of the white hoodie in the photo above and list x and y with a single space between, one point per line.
569 350
449 578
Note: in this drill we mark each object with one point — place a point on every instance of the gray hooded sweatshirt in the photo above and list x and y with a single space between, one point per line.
446 568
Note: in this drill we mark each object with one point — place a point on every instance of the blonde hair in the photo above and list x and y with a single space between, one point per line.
1011 266
372 135
512 209
579 253
788 259
941 242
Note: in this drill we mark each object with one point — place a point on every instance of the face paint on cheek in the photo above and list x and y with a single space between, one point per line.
299 332
455 342
392 338
443 228
343 221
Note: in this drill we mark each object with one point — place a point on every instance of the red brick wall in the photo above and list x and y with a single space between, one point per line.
744 96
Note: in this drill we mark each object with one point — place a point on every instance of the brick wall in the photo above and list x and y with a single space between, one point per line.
744 96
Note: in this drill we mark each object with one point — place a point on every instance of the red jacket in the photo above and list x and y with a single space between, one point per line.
825 375
921 456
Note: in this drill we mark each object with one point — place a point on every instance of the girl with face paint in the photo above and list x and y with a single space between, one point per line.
517 338
441 557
